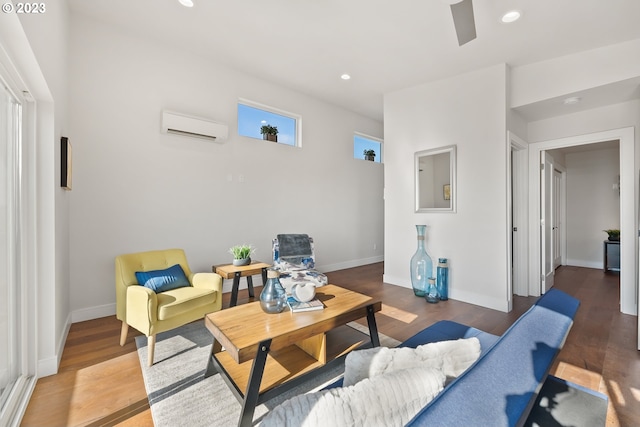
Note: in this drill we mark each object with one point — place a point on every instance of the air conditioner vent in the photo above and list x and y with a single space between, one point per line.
195 127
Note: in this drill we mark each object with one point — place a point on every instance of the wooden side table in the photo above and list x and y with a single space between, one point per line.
234 272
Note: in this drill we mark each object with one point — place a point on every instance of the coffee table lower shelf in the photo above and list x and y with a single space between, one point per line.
283 366
288 367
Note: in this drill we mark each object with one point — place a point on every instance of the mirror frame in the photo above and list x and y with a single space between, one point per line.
451 149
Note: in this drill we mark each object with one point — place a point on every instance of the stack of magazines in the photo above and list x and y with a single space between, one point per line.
297 306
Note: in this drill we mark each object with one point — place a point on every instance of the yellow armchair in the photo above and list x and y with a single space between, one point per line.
152 313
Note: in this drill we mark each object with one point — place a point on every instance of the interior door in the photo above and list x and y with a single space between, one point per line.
519 227
546 221
557 219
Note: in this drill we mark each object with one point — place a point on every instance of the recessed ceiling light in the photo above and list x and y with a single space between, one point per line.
345 77
573 100
186 3
511 16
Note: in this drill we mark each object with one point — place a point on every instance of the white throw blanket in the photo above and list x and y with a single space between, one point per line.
451 357
385 401
382 387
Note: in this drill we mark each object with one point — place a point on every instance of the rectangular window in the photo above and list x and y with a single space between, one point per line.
367 148
263 122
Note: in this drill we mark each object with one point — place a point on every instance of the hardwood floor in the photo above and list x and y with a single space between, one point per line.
100 383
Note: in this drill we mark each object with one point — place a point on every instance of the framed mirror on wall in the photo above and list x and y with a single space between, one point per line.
435 180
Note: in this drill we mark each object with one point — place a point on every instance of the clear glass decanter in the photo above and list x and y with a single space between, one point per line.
421 265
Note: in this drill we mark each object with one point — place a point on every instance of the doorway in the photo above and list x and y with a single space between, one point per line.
628 219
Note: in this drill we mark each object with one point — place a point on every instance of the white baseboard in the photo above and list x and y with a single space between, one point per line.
50 365
257 281
481 300
464 296
583 263
349 264
91 313
105 310
398 281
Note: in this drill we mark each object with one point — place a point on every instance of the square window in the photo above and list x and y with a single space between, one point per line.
267 123
367 148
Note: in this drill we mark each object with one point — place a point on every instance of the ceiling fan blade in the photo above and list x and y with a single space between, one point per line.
464 22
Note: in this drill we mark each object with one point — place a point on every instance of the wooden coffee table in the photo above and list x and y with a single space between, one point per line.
266 354
234 272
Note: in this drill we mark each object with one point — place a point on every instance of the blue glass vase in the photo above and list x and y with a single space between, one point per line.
273 298
443 279
421 265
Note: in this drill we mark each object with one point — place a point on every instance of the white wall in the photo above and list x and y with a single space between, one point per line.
574 73
592 204
136 189
469 111
585 122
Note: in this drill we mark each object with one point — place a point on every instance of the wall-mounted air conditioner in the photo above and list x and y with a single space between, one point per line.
181 124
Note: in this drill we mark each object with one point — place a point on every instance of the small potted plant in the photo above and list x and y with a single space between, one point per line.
369 155
614 235
241 254
270 133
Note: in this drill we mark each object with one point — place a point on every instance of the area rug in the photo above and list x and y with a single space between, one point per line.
180 395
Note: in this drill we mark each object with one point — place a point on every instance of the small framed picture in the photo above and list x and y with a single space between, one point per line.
446 190
65 163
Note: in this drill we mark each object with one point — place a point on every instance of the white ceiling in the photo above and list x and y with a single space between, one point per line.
384 45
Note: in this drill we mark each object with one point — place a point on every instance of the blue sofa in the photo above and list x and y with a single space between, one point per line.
501 387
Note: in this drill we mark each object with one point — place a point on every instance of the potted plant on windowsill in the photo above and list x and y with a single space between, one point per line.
369 155
242 254
269 133
614 235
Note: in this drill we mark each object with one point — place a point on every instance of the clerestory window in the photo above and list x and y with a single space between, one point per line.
268 123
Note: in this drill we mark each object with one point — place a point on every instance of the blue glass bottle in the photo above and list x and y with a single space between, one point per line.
273 298
421 265
443 279
432 291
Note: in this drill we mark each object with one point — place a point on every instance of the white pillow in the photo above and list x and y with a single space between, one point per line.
386 400
452 357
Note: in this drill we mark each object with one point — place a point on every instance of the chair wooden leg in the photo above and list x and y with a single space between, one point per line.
123 333
151 346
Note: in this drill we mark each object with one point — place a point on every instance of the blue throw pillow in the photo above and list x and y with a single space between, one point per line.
163 280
